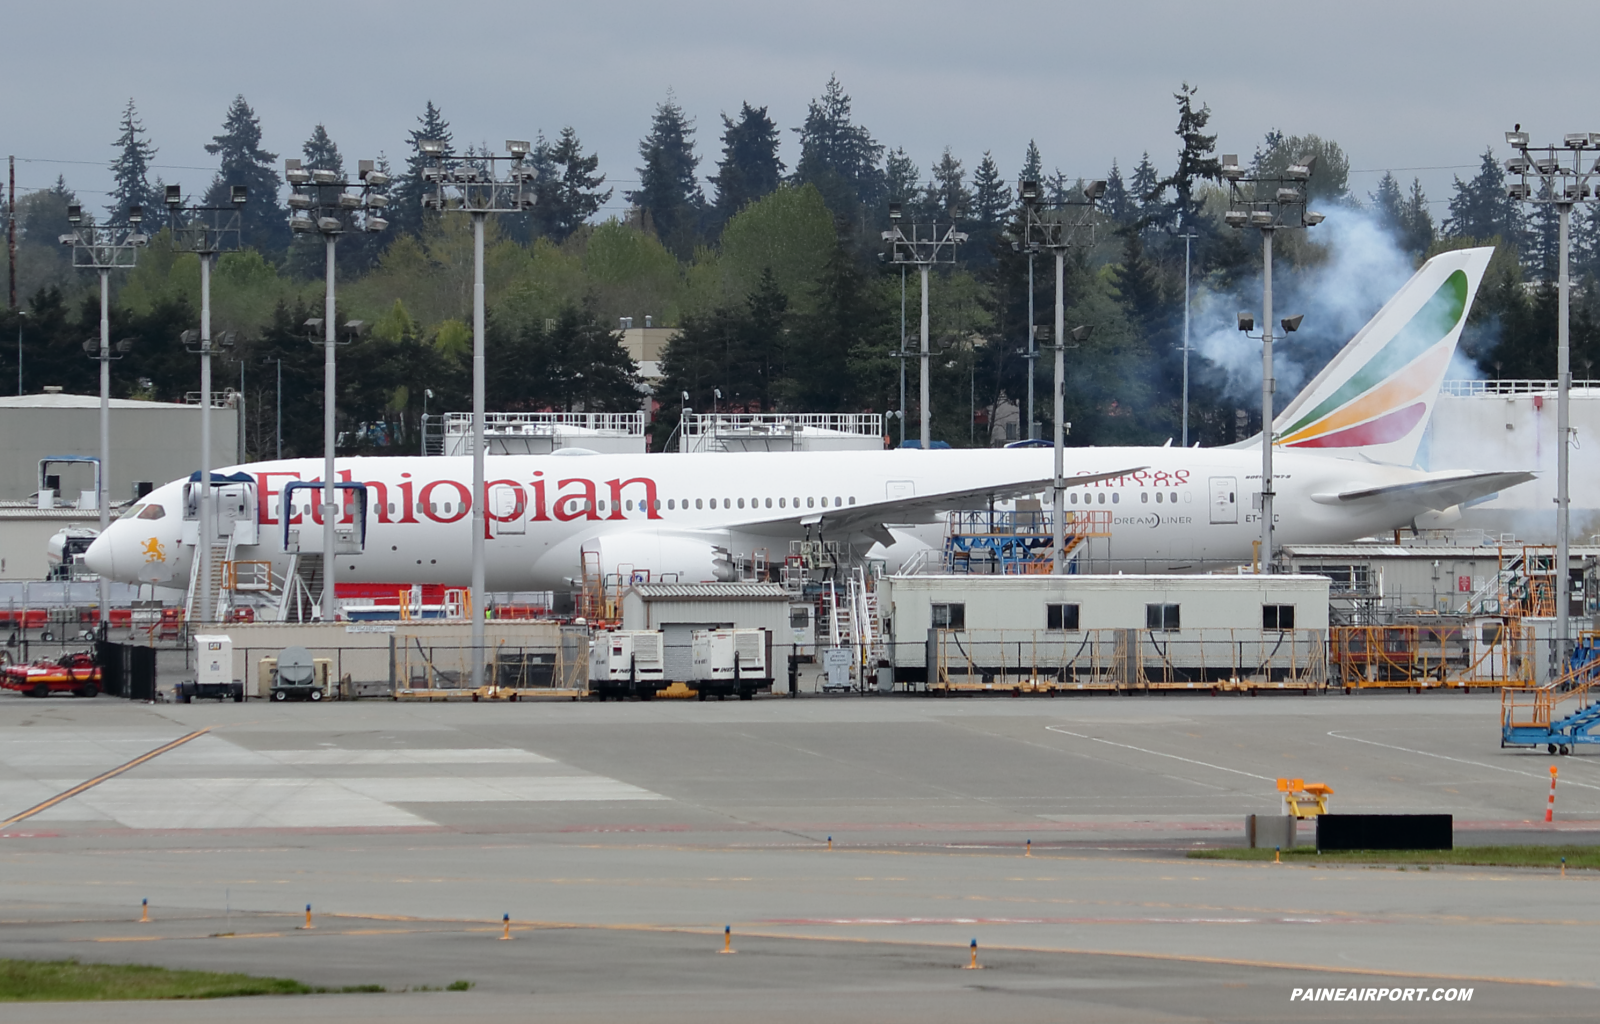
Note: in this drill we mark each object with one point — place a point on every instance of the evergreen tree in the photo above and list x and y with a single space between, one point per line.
1543 233
947 197
568 189
321 154
1032 164
1147 193
1117 203
1416 220
263 224
1388 204
1480 208
1195 164
900 177
991 197
405 205
131 170
835 337
669 192
840 158
749 168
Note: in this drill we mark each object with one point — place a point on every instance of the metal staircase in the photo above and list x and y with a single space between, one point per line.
1561 714
302 588
221 555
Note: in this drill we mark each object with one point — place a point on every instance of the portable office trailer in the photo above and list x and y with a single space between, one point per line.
732 661
626 663
1120 630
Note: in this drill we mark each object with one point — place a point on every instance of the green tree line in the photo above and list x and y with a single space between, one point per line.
772 277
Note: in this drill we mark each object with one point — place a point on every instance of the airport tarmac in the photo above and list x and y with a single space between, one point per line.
622 838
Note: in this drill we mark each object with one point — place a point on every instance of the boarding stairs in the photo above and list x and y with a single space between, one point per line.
1561 714
221 554
301 594
866 623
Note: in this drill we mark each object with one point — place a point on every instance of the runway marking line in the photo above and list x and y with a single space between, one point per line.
113 773
1375 972
1458 760
1157 753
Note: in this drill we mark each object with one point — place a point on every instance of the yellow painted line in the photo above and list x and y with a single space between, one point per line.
132 938
113 773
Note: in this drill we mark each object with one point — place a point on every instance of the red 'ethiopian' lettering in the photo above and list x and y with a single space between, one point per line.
429 507
649 501
579 504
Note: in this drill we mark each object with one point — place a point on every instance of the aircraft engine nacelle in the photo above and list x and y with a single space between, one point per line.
663 555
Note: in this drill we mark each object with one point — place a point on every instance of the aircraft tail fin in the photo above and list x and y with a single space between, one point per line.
1375 397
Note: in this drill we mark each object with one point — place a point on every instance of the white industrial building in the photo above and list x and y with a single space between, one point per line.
538 433
678 609
1511 424
151 443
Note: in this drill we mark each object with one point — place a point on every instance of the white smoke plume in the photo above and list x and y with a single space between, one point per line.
1363 269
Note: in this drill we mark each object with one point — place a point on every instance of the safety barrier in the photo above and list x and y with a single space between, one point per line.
1456 654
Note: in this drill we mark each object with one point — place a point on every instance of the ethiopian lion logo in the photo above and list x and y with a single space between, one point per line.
153 551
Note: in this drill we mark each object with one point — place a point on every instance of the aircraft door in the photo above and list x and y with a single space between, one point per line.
897 489
508 510
1224 499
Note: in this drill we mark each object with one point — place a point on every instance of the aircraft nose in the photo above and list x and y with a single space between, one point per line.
99 557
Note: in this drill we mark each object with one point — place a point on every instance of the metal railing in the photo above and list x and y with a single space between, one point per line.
1522 386
865 424
535 424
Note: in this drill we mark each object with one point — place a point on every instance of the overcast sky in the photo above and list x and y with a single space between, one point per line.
1417 87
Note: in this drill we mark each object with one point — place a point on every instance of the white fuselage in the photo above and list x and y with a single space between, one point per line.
668 513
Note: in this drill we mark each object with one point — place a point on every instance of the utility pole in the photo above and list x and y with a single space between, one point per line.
1565 174
1188 238
11 238
1069 223
1269 203
324 204
923 252
476 188
104 249
215 230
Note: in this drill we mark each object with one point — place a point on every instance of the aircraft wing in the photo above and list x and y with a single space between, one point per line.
873 517
1437 491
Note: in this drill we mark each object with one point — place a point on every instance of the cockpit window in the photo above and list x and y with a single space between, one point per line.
132 513
152 511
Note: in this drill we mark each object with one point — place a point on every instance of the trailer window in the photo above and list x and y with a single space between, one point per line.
1277 616
1061 616
1161 616
949 616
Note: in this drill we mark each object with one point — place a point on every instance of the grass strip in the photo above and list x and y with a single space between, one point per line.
71 981
1479 856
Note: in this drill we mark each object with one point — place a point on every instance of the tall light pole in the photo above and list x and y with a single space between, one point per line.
923 252
207 231
322 203
1188 238
22 313
475 187
901 356
1268 202
1070 223
104 249
1564 174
